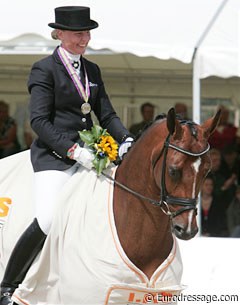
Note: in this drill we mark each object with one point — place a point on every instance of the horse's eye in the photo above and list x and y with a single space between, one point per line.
174 173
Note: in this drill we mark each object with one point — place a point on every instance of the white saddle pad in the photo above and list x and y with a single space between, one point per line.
82 261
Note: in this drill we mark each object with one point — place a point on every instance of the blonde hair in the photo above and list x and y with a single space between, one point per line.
54 34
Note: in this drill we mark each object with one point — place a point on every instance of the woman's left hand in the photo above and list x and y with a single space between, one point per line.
124 147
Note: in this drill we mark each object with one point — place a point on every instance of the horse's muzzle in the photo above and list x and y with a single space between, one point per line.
184 233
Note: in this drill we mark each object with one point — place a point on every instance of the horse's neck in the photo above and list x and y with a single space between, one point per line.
143 230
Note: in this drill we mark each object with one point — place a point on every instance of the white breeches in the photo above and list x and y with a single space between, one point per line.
47 185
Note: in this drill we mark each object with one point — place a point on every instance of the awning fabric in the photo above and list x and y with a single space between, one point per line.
165 29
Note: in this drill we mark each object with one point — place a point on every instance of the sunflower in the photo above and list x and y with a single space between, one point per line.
108 146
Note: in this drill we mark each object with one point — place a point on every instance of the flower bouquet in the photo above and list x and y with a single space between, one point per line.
102 145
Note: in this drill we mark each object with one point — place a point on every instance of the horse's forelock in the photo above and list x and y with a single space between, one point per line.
192 127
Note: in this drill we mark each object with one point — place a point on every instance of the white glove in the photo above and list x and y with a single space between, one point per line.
83 156
123 148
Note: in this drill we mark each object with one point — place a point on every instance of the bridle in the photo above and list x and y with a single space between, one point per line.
166 199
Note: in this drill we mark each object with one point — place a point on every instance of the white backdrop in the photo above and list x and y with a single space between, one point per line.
211 267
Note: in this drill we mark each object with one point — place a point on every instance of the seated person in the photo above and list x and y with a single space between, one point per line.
213 219
225 133
8 132
233 215
147 112
181 110
222 184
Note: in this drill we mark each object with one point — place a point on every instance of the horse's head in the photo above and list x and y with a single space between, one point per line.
180 168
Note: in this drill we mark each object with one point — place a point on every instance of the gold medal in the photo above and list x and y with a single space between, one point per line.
86 108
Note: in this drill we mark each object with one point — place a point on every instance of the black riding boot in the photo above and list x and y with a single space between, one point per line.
23 254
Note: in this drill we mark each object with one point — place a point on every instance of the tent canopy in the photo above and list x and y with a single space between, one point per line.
163 29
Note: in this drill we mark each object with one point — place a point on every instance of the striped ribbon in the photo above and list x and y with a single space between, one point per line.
83 92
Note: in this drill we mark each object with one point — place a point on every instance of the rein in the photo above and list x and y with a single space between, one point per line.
166 199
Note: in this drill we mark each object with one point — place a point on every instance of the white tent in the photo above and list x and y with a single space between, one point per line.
202 32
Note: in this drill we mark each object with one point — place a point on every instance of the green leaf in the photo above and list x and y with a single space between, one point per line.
96 131
100 164
86 136
105 132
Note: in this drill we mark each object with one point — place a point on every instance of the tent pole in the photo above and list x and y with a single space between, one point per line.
196 103
196 118
196 79
196 91
209 26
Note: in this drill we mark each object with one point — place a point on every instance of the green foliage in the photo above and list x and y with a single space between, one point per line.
92 138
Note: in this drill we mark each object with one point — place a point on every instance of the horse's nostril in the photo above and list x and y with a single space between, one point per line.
179 229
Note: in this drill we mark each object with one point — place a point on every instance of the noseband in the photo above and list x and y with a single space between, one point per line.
166 199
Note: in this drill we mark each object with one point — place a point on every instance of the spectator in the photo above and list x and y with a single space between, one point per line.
233 215
8 132
147 112
213 219
181 110
221 184
225 134
230 170
224 180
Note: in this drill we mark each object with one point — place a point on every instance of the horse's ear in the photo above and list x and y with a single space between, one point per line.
171 120
211 124
173 125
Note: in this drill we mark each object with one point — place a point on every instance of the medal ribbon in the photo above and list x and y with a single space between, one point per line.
84 93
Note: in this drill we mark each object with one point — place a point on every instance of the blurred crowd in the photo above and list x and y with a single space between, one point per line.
220 194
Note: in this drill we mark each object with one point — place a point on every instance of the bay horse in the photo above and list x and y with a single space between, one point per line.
167 165
125 226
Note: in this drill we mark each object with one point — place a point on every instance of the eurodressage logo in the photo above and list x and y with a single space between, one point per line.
5 205
151 298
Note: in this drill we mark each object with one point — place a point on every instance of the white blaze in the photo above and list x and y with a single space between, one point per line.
190 217
195 166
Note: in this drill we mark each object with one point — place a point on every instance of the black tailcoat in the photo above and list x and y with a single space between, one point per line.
55 112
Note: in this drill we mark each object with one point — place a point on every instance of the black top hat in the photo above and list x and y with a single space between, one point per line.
73 18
